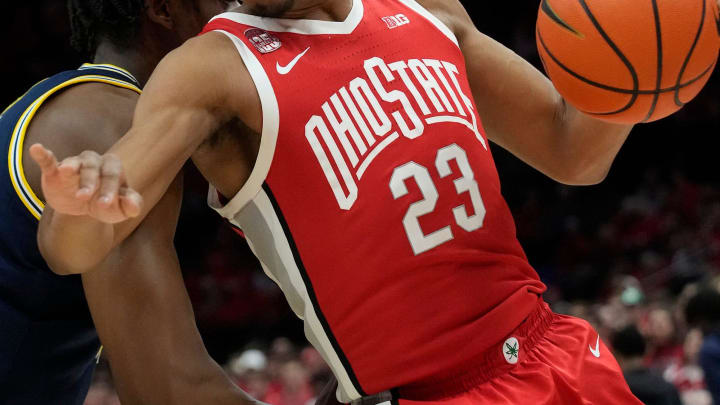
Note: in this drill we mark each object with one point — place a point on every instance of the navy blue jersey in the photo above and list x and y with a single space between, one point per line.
48 343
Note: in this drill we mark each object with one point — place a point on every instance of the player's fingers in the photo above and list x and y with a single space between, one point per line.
70 167
111 174
44 158
89 174
130 202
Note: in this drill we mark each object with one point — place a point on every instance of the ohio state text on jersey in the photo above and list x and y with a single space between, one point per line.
375 203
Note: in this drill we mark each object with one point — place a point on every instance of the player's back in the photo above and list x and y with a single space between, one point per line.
375 203
48 343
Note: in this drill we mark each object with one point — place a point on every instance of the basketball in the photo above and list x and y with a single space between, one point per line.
628 61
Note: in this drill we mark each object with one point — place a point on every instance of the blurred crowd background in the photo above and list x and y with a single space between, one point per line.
638 256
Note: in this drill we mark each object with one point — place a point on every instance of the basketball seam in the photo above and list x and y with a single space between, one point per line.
658 34
618 52
618 89
578 76
636 91
550 12
690 53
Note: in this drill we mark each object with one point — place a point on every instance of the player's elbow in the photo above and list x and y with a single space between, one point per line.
66 266
589 179
69 250
580 173
64 262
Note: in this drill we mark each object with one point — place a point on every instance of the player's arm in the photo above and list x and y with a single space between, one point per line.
189 96
522 111
136 296
145 320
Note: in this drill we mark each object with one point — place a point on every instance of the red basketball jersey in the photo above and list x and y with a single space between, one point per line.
375 203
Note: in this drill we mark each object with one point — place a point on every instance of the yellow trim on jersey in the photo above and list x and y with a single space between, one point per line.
110 67
106 64
15 152
99 354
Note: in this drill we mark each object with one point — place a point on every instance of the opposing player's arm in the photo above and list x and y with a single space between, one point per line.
145 320
190 95
522 111
136 296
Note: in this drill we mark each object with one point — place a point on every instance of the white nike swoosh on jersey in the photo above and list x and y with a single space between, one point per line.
596 351
283 70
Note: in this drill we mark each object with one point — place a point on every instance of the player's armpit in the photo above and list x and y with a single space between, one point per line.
195 89
522 112
145 320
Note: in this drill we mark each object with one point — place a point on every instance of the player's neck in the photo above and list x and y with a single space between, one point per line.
130 59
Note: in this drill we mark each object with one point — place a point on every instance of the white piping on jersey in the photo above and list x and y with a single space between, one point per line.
251 197
267 239
299 26
413 5
268 140
111 68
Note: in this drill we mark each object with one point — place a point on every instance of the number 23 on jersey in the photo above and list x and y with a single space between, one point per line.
469 221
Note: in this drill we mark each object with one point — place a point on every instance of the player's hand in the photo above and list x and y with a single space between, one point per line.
88 184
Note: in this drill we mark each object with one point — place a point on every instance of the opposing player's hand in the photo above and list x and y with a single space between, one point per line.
88 184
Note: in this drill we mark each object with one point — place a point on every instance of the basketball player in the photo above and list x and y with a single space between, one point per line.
361 174
48 343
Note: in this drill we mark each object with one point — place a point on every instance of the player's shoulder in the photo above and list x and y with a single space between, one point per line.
94 111
87 116
451 12
212 73
209 54
88 108
447 6
73 102
207 47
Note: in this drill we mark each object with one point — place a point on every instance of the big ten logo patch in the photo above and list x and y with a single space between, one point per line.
263 41
395 21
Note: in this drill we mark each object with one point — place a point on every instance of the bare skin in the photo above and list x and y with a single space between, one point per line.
173 123
136 294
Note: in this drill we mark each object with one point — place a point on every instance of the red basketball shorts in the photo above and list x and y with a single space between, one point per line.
549 360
